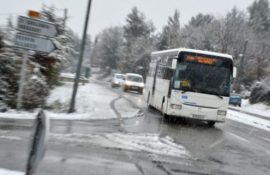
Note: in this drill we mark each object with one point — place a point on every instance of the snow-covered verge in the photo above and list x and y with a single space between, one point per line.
10 172
249 120
258 108
93 101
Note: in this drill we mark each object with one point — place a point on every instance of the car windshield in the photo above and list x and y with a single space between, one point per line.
134 78
121 77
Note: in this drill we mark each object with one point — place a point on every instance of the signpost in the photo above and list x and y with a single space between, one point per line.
37 27
33 35
29 42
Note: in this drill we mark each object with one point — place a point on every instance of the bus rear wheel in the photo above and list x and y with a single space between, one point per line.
211 123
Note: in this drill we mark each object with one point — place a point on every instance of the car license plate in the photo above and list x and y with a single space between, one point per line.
134 88
198 116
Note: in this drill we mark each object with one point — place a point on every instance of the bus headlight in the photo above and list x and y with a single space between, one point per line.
174 106
220 112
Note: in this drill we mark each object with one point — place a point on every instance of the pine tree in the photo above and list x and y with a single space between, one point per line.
51 64
260 15
9 76
109 47
138 43
170 36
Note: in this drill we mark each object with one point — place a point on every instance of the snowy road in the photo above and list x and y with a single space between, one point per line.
145 144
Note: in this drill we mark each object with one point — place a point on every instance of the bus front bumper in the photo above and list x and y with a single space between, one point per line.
199 113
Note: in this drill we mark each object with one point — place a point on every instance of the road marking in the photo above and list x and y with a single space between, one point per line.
10 137
216 143
10 172
239 137
266 139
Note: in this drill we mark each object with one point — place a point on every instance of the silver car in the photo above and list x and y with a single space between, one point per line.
118 80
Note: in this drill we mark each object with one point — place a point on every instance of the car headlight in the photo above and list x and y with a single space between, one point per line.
128 83
174 106
142 85
116 82
220 112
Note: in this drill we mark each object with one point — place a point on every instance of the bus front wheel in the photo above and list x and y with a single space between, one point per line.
211 123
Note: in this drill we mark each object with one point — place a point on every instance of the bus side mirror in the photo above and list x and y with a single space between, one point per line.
174 64
234 72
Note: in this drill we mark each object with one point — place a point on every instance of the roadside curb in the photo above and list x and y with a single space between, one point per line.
250 113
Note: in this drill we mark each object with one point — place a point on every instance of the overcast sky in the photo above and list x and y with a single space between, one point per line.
105 13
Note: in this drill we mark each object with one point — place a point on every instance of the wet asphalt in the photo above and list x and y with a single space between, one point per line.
229 148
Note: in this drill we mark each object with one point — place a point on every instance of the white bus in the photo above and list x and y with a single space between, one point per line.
190 83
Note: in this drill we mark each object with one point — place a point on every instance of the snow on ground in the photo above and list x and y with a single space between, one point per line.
125 108
68 75
149 143
10 172
249 120
258 108
91 98
92 102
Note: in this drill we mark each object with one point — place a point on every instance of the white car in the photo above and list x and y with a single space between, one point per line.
133 82
118 80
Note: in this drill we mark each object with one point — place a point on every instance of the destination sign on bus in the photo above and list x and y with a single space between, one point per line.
200 59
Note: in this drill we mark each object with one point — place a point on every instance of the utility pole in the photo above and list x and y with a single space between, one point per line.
78 72
240 71
65 17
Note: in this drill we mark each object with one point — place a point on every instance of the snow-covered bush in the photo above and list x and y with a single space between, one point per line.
9 76
35 93
261 92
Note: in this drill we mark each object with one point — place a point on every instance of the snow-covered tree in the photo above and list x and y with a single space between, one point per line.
259 17
199 33
170 36
201 20
138 42
108 48
260 92
51 64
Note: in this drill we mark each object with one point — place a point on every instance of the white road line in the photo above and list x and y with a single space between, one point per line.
10 172
238 137
266 139
10 137
216 143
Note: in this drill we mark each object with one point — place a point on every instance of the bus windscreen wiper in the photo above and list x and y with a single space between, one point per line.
217 95
184 91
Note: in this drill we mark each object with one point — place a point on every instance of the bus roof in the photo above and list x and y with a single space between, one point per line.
178 50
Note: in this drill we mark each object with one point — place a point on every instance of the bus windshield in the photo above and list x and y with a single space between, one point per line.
203 75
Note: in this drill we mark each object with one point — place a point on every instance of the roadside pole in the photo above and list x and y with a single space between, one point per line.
241 66
22 79
78 72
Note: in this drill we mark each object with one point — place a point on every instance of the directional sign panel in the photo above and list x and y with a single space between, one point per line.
34 43
36 26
